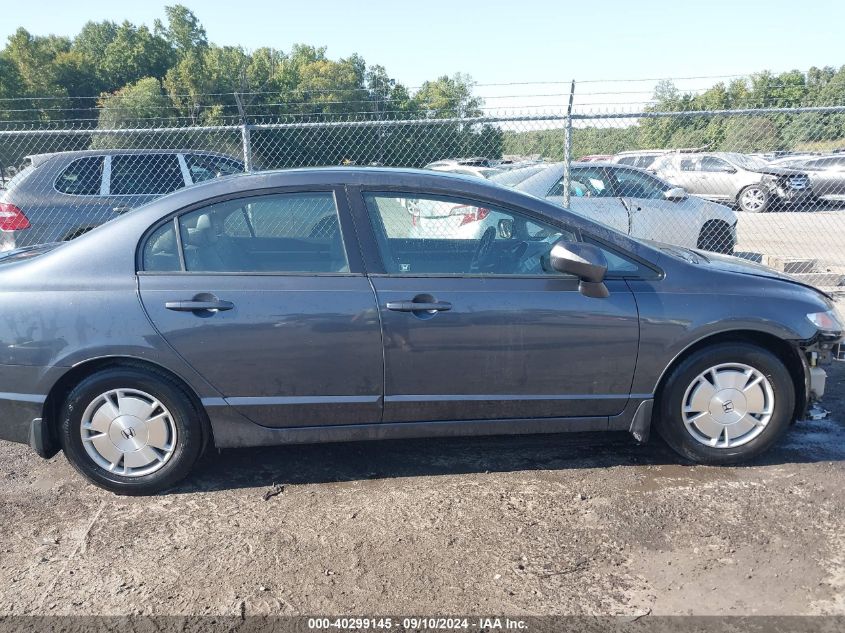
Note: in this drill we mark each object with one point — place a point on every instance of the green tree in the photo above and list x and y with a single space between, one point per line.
134 105
183 30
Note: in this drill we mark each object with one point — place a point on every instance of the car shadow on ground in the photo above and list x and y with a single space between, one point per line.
808 442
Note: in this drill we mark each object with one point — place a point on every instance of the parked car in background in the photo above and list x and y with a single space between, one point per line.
62 195
592 158
641 159
750 183
827 174
477 166
186 326
634 202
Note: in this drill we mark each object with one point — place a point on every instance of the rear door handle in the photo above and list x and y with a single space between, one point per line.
413 306
195 306
121 209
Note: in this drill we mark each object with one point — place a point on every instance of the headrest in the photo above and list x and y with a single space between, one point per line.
204 222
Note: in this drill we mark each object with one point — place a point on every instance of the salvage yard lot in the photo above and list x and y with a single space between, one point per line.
588 524
798 234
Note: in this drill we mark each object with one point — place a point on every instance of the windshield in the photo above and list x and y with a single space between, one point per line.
745 161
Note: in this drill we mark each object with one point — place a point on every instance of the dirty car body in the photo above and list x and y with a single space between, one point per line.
280 307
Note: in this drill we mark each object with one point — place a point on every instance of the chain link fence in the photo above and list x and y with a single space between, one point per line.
766 184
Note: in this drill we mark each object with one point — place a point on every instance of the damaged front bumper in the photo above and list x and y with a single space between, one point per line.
819 351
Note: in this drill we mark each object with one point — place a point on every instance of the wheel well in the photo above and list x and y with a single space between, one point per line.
780 348
65 384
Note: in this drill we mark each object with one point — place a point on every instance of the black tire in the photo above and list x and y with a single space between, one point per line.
188 420
717 237
669 422
744 204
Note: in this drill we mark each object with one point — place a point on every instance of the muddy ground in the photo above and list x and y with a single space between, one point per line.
586 524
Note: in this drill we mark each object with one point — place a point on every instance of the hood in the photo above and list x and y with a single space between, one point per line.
778 171
731 264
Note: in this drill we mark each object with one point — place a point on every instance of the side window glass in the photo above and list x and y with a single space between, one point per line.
83 177
688 164
207 166
145 174
161 253
585 183
633 184
434 235
282 233
708 163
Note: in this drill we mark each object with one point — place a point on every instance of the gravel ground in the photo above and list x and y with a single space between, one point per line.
572 524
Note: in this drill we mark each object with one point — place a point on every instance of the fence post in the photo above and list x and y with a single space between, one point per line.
245 135
567 148
247 147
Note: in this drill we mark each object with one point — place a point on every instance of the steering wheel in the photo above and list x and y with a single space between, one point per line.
485 244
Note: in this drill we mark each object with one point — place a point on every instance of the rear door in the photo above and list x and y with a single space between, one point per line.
478 328
266 299
135 179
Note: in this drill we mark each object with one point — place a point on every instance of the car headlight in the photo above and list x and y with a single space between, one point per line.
826 321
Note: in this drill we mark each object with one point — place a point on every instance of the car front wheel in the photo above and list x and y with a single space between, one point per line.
131 431
753 199
726 403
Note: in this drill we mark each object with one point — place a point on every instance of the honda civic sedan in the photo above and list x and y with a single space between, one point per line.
303 306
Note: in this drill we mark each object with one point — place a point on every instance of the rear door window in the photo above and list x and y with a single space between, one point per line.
145 174
83 177
587 182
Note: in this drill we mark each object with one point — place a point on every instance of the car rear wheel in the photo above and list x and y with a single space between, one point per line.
753 199
726 403
131 431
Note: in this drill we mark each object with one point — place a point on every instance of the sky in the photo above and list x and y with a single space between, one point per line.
508 42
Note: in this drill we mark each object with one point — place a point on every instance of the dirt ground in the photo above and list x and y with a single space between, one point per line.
571 524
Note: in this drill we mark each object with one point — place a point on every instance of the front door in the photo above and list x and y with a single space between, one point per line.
264 302
477 327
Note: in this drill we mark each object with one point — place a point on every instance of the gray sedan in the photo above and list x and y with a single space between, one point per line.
302 306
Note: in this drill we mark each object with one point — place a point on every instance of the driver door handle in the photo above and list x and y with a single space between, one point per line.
413 306
193 306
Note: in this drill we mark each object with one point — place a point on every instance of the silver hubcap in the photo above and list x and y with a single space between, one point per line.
128 432
753 199
728 405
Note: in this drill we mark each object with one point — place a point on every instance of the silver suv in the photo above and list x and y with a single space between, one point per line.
62 195
749 182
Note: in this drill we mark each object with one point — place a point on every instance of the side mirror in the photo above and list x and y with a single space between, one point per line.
585 261
675 194
728 170
505 229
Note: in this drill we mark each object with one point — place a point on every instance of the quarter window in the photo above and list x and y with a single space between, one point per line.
83 177
145 174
